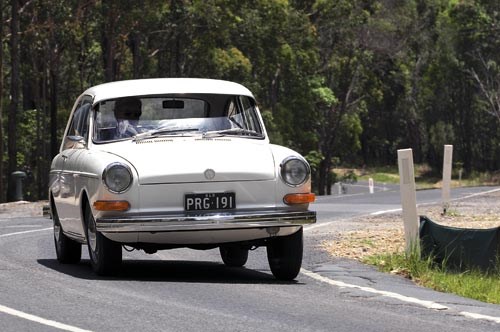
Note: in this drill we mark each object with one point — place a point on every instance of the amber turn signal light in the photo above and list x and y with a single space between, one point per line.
112 205
299 198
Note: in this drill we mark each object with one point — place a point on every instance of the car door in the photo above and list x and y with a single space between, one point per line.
74 144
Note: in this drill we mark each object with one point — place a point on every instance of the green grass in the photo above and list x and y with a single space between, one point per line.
390 175
425 178
472 284
387 178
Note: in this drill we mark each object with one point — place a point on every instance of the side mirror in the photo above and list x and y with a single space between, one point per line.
74 142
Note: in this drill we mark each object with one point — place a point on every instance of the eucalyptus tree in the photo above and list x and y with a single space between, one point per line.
343 63
280 43
14 93
467 41
2 190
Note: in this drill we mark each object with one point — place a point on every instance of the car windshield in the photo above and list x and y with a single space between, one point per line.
209 115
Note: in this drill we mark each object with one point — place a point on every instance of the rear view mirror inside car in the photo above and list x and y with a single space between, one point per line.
172 103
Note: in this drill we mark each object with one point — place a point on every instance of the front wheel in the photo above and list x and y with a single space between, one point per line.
284 254
67 250
233 256
105 255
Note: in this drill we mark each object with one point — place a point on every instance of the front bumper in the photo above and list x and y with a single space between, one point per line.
204 222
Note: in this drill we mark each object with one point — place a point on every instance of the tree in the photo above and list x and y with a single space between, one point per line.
470 36
489 85
14 93
342 64
1 106
343 82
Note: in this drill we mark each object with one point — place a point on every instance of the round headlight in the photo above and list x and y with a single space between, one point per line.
294 171
117 177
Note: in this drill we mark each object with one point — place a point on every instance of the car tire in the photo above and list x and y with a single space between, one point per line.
284 254
105 255
67 250
233 256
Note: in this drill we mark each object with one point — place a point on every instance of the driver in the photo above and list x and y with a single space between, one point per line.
127 113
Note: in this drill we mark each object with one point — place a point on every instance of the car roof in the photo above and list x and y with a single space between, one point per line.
160 86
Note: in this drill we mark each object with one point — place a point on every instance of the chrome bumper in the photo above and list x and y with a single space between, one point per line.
219 221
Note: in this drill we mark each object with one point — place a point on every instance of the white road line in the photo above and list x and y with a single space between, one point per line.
40 320
397 296
25 232
384 212
477 194
479 316
317 225
34 318
423 303
21 226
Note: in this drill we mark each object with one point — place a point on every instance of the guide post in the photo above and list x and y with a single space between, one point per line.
448 156
408 199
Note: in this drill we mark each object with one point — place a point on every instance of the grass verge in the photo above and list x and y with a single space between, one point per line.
425 177
474 284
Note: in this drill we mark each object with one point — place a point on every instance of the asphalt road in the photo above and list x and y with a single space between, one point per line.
186 290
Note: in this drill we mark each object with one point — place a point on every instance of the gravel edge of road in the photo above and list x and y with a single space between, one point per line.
22 209
385 234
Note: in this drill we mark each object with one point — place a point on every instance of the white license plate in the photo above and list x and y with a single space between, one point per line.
209 201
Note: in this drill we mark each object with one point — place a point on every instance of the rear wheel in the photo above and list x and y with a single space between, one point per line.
67 250
233 256
284 254
105 255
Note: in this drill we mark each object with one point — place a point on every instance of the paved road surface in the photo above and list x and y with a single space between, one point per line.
186 290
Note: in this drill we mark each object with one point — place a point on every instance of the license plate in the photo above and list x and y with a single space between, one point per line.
209 201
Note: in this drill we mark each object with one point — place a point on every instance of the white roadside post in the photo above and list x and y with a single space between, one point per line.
448 156
408 200
370 185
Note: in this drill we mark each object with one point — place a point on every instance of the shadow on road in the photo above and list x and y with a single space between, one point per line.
168 271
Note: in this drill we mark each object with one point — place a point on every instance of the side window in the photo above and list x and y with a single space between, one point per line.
80 122
249 114
84 129
234 114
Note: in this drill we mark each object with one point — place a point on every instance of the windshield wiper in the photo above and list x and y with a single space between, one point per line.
233 131
162 132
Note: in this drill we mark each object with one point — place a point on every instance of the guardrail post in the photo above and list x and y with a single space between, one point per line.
408 200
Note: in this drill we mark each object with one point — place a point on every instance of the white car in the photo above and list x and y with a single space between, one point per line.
167 163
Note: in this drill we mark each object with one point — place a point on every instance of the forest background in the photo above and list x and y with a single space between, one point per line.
344 82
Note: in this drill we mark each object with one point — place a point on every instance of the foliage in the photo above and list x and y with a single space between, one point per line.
342 82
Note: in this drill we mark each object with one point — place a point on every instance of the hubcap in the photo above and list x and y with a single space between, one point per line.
92 235
57 231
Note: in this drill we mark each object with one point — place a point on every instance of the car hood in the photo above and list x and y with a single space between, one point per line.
160 161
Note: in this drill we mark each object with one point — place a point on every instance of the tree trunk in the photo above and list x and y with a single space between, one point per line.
54 148
274 89
324 172
46 153
135 48
38 151
108 43
2 196
322 179
14 93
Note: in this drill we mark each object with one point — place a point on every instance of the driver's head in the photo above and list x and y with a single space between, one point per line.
128 109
